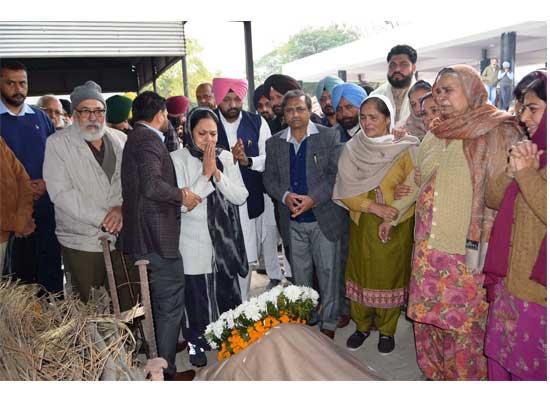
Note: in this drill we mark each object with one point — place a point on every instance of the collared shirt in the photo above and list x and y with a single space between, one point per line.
25 110
311 129
352 131
160 134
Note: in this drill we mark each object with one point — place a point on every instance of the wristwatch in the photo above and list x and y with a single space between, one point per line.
249 164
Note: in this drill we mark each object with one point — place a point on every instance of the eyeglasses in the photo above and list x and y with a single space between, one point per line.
292 110
86 113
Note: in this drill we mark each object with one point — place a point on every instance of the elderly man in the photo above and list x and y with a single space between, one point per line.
118 112
152 214
262 104
82 172
300 171
67 111
323 93
53 108
37 259
401 68
205 96
244 134
347 98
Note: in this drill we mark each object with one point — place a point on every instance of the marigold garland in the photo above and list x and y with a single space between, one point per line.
236 329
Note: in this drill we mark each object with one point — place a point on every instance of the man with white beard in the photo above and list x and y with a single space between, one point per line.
82 174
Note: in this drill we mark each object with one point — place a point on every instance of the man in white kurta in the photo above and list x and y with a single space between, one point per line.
401 69
245 133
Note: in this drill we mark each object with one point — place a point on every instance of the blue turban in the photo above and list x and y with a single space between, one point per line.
351 92
327 83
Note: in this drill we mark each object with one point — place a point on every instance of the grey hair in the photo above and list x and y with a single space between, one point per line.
42 101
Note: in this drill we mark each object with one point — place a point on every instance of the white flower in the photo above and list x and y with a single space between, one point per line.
213 345
274 293
218 329
292 293
252 312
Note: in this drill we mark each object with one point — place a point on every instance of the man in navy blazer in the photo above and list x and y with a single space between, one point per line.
300 170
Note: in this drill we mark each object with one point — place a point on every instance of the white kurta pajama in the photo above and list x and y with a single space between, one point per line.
255 230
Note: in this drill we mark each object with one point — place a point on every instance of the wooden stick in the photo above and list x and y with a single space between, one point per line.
110 274
149 328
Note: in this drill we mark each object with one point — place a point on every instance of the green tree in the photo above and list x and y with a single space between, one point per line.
305 43
171 81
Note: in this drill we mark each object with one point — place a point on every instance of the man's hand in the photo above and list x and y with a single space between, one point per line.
113 220
305 204
401 191
190 199
27 229
384 231
292 201
386 212
239 154
38 188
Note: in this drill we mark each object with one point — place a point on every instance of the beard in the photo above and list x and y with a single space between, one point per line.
328 110
15 100
401 83
349 122
91 135
231 114
278 110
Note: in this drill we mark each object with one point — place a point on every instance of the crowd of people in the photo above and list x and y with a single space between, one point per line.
412 196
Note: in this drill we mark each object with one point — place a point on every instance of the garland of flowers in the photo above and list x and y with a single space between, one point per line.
237 328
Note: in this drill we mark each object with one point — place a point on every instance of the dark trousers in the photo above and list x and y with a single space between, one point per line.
167 287
37 258
87 270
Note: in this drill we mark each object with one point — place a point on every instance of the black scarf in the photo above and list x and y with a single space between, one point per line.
224 226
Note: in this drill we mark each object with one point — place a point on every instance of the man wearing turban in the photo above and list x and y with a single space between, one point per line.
244 134
275 87
118 112
324 96
177 107
347 98
262 104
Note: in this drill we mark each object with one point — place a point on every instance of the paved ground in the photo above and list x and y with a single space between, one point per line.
399 365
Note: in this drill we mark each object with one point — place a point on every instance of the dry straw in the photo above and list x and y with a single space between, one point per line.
42 338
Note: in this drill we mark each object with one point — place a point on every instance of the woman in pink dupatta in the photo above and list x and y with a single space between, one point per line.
515 266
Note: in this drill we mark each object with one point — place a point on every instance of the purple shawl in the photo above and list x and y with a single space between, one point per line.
496 262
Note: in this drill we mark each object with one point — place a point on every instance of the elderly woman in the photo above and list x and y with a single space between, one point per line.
377 274
465 149
211 240
414 124
516 259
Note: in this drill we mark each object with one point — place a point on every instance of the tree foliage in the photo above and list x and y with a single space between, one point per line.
171 81
305 43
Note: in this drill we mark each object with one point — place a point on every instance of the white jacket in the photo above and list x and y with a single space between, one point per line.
79 188
195 243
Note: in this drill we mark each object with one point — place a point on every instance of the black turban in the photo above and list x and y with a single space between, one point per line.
258 93
280 83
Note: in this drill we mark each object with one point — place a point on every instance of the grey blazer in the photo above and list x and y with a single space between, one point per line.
323 152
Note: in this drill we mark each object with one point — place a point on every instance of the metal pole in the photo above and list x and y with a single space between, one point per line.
508 49
148 325
184 64
154 70
249 63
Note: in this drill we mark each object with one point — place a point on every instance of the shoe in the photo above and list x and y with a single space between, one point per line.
386 344
261 271
343 321
272 283
197 357
355 341
328 333
185 376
